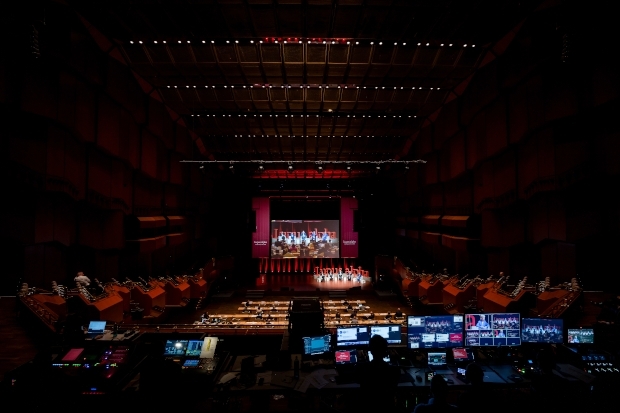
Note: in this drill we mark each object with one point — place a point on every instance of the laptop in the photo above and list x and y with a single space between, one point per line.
96 328
437 363
345 362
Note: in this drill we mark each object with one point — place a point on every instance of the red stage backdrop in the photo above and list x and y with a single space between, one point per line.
260 238
348 237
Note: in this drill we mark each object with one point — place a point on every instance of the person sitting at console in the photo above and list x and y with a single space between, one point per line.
398 313
388 316
439 401
371 316
354 315
337 316
378 380
349 307
469 401
259 313
204 317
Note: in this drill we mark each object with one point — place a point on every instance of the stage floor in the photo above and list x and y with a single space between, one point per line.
304 282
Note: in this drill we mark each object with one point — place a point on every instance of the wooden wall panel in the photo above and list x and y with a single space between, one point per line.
496 134
148 154
108 120
85 112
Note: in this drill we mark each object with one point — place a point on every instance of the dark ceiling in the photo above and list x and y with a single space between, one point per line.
305 80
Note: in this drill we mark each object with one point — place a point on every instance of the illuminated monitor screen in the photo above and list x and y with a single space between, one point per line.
542 330
580 336
493 329
462 354
194 347
305 239
352 336
390 332
317 344
370 357
96 327
440 331
191 363
73 354
175 347
345 356
437 359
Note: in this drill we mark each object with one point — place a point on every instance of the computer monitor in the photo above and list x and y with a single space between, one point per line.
370 357
316 345
191 363
580 336
73 354
390 332
352 336
437 359
96 327
194 347
493 329
439 331
462 354
175 347
542 330
343 357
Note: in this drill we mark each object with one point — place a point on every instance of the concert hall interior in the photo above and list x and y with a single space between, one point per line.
218 204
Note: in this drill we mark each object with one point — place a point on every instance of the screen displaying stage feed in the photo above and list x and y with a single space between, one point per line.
305 239
580 336
493 329
542 330
439 331
352 336
390 332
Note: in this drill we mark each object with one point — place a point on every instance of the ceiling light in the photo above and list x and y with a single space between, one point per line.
178 41
441 45
419 44
251 41
372 42
465 45
428 44
450 45
155 41
404 44
204 41
164 42
131 41
188 41
380 43
357 42
236 41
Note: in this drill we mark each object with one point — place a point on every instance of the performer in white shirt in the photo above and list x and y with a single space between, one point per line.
82 279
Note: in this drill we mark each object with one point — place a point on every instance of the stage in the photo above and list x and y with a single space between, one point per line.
305 282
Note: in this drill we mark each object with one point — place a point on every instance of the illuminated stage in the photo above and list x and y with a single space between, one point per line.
305 282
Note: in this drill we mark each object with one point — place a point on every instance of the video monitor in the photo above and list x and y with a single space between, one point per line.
390 332
175 347
437 358
73 354
317 344
194 348
305 239
96 327
493 329
462 354
439 331
352 336
542 330
370 357
580 336
346 356
191 363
